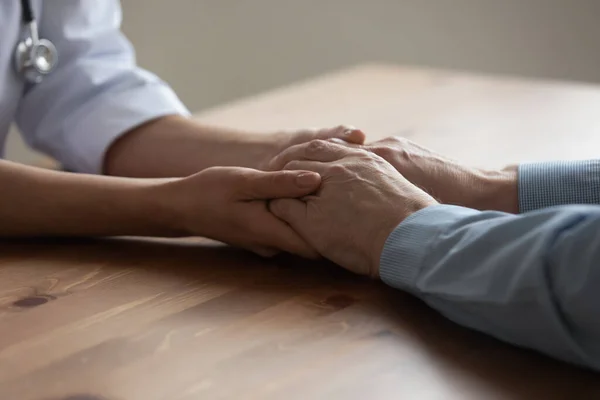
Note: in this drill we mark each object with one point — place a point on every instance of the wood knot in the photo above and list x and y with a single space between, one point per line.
33 301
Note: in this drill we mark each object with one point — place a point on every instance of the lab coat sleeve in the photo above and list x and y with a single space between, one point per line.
531 280
97 92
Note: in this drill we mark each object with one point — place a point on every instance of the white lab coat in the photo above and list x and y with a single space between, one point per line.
95 94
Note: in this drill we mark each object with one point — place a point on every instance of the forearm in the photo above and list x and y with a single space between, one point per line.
177 146
530 279
37 202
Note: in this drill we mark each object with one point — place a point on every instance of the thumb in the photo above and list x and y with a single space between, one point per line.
258 185
348 134
292 211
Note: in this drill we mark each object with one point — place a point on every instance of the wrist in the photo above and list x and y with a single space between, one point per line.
392 222
499 190
158 201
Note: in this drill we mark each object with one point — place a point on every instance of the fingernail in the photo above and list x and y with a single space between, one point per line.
353 131
308 179
354 135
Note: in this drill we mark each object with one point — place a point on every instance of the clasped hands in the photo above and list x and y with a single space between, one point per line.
329 195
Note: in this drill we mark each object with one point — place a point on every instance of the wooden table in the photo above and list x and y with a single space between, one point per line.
161 319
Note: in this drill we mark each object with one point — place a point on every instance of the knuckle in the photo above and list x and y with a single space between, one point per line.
336 142
338 131
241 179
337 169
396 139
220 173
371 158
316 146
278 179
242 187
385 152
363 154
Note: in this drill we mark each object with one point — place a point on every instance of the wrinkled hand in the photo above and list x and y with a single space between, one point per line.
229 204
361 200
447 180
282 140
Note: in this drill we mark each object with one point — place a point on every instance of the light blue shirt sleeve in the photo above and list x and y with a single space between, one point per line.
548 184
532 279
96 93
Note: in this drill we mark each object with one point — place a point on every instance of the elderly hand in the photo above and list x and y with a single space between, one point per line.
361 200
447 180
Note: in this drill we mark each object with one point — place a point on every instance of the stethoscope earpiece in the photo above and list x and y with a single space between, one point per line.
34 57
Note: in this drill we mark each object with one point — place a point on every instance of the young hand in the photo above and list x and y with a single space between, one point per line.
229 204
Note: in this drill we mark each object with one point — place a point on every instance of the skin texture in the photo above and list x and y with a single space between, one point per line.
444 179
361 200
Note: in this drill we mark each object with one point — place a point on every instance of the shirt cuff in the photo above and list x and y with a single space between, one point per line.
406 249
86 142
550 184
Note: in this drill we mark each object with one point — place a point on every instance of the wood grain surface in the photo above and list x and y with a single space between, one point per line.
136 319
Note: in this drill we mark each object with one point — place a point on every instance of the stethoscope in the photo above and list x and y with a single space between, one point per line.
34 57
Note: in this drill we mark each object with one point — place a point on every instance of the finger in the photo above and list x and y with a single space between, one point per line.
388 148
347 144
256 185
314 166
316 150
345 133
283 237
392 140
292 211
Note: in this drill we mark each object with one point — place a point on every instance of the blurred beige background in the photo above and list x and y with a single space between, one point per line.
213 51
